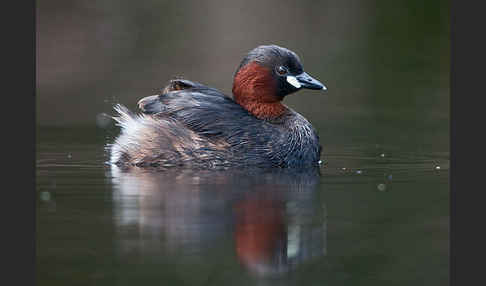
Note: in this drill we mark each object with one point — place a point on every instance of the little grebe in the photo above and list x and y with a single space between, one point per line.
190 124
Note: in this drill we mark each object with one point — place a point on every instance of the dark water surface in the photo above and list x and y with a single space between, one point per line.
372 214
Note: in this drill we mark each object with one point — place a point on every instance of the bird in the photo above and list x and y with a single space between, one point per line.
189 124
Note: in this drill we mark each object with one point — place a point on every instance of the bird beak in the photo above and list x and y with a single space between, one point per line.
306 81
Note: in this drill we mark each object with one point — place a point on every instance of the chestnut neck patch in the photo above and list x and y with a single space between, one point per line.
255 89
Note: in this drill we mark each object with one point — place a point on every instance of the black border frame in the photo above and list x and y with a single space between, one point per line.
20 80
19 202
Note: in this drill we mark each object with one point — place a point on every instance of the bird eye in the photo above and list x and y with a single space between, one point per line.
281 70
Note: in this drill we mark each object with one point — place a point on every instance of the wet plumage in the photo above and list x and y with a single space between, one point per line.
190 124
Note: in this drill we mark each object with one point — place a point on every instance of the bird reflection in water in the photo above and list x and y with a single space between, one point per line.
276 219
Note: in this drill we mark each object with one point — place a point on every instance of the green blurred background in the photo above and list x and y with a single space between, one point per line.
385 63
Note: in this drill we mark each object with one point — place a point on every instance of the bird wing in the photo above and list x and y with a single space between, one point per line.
156 103
211 114
206 111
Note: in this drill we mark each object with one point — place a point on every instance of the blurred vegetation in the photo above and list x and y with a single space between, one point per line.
385 63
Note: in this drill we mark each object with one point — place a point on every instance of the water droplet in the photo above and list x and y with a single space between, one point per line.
381 187
437 167
382 155
45 196
103 120
320 162
69 155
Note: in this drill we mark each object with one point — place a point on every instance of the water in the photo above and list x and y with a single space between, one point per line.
371 214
